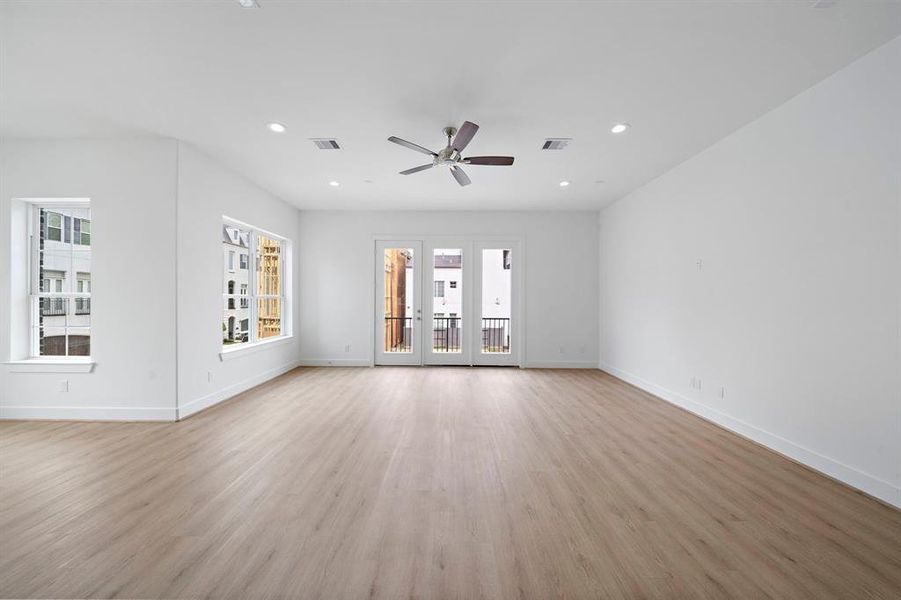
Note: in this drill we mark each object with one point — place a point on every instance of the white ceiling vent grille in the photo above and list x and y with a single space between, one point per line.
326 143
823 3
556 143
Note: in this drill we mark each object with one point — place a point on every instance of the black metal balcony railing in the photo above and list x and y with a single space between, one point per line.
58 307
53 307
398 334
496 334
446 334
82 306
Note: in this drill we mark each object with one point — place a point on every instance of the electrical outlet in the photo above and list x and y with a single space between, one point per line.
64 385
209 377
347 348
722 391
562 350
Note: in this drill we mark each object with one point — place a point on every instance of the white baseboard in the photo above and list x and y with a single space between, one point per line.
334 362
364 362
865 482
87 413
560 364
189 408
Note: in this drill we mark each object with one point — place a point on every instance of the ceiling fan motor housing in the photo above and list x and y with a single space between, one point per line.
447 156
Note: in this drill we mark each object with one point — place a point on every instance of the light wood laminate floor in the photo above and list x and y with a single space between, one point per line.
431 483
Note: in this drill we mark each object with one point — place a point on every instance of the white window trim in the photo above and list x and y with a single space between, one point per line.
254 345
45 364
35 362
231 352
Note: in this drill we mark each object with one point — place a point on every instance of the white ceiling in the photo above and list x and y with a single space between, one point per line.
684 74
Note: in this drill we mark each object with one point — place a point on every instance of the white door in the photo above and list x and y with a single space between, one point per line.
448 302
398 305
495 340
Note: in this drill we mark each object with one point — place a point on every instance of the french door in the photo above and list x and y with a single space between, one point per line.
447 327
447 301
496 302
398 322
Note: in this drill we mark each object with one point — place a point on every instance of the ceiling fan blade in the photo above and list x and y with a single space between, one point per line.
464 136
501 161
460 175
417 169
411 145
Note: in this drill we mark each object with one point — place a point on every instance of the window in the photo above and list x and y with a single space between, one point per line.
83 304
439 289
82 232
255 298
231 295
54 226
60 288
453 285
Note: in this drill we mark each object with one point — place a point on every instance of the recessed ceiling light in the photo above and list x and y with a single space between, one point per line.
334 183
249 3
619 127
277 127
564 183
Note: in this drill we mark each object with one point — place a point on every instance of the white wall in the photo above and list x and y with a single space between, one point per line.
561 279
131 185
157 208
206 192
796 309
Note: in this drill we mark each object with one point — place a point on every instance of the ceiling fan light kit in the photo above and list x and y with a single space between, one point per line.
451 156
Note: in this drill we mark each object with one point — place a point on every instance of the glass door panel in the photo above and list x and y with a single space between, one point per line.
445 340
398 306
497 304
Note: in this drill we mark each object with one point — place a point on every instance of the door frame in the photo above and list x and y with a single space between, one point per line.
379 356
428 311
514 357
517 243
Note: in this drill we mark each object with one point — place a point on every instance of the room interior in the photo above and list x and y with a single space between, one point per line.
641 340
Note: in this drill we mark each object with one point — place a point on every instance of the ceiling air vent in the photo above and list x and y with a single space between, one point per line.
823 3
326 143
556 143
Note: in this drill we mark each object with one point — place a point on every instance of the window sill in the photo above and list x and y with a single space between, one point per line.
245 349
49 365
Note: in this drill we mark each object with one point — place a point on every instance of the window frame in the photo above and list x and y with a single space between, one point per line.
35 281
252 296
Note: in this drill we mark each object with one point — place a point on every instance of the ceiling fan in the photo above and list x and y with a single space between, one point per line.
451 155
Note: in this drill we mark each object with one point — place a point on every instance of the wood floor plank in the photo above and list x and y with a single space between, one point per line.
430 483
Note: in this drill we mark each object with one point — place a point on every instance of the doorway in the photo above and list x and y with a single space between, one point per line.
447 301
398 302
